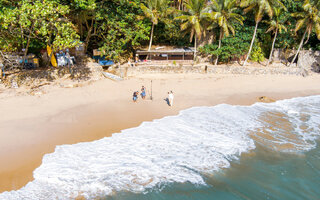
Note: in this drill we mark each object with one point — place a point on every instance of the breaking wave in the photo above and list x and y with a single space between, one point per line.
181 148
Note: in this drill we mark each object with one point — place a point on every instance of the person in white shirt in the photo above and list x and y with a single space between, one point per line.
170 98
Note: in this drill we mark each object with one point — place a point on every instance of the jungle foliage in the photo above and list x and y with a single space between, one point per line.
119 27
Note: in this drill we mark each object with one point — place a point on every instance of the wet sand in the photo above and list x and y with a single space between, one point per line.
31 126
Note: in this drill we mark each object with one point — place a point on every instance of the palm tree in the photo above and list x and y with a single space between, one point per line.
309 18
276 25
155 10
259 7
223 13
193 19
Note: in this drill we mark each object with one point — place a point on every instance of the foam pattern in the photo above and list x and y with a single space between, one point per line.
178 148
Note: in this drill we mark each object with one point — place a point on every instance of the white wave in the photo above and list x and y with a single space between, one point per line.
173 149
299 116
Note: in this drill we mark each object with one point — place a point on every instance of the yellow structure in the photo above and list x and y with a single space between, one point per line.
53 59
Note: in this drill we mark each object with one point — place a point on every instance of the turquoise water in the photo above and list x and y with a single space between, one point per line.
266 174
262 151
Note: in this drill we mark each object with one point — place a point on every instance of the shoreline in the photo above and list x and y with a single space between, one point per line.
36 124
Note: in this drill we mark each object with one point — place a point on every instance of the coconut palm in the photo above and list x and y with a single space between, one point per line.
222 13
193 19
259 7
276 25
155 10
309 18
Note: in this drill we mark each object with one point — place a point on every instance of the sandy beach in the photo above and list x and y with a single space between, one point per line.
31 126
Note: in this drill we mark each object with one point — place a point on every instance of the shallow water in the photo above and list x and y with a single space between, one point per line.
263 151
266 174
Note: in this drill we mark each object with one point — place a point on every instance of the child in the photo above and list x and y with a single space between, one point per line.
135 96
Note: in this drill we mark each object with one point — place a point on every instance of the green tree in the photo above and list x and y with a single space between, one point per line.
308 19
193 20
85 15
223 13
232 48
155 10
113 26
36 21
259 7
120 30
276 24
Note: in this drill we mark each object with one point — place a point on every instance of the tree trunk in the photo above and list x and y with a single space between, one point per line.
300 45
251 45
86 44
195 47
27 47
220 38
180 5
1 65
22 37
150 44
274 41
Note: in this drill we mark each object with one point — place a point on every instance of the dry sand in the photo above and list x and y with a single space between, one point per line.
31 126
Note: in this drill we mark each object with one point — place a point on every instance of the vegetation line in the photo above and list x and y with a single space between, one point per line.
225 30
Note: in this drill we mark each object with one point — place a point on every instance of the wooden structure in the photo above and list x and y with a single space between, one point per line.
160 54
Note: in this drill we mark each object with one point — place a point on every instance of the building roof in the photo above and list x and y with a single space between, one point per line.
166 51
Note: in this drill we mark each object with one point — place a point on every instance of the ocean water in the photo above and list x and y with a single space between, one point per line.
262 151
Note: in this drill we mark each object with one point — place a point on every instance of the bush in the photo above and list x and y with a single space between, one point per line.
233 48
257 53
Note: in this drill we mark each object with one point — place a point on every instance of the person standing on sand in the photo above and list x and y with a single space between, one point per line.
130 64
135 96
170 98
143 92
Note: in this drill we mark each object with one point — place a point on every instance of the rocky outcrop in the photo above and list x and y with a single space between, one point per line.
265 99
309 60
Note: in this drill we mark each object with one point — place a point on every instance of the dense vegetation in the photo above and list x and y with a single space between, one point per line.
119 27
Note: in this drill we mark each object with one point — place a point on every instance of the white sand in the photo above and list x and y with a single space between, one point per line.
31 126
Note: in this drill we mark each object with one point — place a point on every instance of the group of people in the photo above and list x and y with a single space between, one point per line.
142 94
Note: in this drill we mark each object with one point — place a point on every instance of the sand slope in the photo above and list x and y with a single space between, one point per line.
31 126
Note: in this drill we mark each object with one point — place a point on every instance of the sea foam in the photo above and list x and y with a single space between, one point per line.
178 148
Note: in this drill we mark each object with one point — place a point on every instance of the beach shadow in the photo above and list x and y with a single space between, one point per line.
167 100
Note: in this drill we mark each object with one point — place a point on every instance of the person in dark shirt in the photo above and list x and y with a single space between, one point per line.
135 96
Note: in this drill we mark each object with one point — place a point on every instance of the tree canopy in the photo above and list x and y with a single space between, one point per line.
119 27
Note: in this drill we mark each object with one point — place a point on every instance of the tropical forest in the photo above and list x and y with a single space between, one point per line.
239 29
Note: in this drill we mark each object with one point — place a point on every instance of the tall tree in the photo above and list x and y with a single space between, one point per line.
120 29
259 7
193 20
36 21
276 25
84 15
223 13
308 19
155 10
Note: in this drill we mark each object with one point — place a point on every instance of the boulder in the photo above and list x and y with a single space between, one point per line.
309 60
266 99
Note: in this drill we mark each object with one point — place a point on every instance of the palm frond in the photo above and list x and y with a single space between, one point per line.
317 29
299 24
